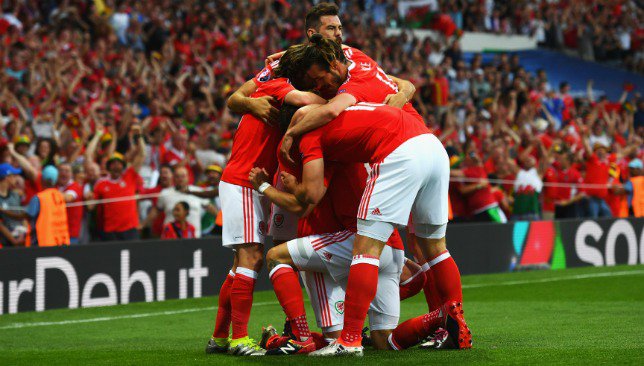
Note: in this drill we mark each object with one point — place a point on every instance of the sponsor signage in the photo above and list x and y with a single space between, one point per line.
37 279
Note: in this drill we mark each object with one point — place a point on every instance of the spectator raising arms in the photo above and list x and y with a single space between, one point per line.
118 217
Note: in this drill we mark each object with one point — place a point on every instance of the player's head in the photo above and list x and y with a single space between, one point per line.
323 19
290 113
320 65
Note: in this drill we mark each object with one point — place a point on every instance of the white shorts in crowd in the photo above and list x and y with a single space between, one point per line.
327 259
244 213
414 179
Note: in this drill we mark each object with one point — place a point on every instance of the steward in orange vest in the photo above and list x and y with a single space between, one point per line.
48 213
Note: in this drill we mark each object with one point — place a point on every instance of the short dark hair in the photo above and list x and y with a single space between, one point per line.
313 16
286 115
298 59
185 206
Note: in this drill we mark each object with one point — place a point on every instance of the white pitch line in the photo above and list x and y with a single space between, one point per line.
557 279
119 317
184 311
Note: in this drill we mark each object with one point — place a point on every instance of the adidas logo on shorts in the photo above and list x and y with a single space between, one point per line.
376 212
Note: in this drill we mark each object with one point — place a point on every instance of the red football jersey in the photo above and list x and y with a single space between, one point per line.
255 142
550 193
569 176
122 215
74 214
364 133
173 230
480 198
597 173
367 82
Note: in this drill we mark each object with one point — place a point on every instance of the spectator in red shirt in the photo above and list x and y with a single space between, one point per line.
569 201
597 173
120 220
180 228
439 92
73 193
481 203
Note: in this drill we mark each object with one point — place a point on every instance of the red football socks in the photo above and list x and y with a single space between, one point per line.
361 289
447 278
412 331
241 300
432 296
412 285
289 294
222 324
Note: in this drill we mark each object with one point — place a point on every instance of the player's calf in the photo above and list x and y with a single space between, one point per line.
289 293
250 259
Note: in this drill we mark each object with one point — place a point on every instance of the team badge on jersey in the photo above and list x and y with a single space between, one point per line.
278 220
339 307
264 76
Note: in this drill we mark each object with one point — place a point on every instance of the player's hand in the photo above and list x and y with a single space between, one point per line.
263 109
257 176
276 56
397 100
285 149
289 181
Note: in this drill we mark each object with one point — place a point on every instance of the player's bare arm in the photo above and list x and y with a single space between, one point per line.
285 200
241 102
406 91
312 188
301 98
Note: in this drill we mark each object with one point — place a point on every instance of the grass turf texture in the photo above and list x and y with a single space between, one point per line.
575 316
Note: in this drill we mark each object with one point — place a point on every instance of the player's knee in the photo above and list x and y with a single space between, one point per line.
274 257
432 247
252 257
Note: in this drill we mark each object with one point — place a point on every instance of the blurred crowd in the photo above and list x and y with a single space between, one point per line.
128 97
600 30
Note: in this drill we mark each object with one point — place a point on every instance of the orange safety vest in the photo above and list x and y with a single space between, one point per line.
51 224
219 220
638 195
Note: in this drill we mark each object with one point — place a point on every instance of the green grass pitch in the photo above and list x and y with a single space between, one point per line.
578 316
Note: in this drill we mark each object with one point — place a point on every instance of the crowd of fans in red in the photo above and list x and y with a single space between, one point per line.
128 97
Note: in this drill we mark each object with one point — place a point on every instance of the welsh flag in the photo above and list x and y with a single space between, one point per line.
425 14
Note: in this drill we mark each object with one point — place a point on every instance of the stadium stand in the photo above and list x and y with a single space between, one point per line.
82 82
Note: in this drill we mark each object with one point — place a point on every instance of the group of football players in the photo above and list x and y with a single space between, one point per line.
329 159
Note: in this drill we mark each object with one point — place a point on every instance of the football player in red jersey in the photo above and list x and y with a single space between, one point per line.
403 180
322 65
245 215
326 233
322 19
